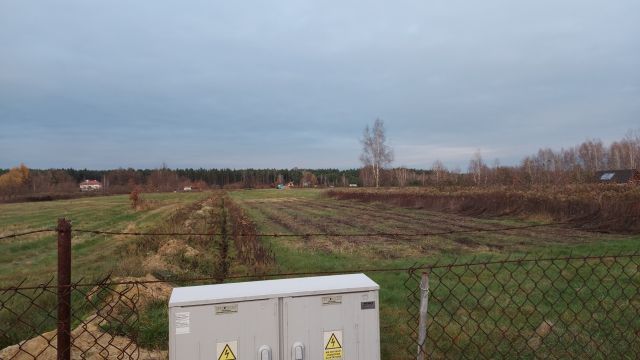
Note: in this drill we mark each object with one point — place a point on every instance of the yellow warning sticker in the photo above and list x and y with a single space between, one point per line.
227 350
333 345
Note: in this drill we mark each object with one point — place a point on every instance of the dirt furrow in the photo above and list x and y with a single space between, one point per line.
428 223
454 222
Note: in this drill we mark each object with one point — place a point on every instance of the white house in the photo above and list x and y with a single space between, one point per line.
90 185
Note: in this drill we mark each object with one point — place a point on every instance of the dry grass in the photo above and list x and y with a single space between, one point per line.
304 215
595 207
308 211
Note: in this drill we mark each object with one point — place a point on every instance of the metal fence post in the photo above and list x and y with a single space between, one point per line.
422 323
64 289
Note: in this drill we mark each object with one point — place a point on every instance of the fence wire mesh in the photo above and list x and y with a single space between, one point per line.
104 319
563 307
568 307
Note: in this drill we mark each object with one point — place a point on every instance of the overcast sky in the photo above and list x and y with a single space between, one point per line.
105 84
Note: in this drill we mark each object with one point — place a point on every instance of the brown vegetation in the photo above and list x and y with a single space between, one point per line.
382 220
597 207
235 239
135 198
249 247
15 181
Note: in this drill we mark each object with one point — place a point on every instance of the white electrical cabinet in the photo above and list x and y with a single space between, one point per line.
313 318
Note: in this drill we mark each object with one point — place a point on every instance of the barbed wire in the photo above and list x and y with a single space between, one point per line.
410 269
387 234
276 235
26 233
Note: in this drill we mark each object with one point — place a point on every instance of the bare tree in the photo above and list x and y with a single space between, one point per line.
631 144
402 175
375 153
477 168
439 170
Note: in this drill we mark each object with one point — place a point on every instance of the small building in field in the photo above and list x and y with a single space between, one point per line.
629 176
90 185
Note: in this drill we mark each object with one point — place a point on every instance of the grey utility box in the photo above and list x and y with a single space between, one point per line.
313 318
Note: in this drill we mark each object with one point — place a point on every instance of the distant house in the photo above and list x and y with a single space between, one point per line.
90 185
629 176
289 185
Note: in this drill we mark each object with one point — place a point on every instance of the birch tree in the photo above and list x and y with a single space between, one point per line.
439 170
478 169
376 154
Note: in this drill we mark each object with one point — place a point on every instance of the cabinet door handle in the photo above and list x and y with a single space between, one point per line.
264 353
298 351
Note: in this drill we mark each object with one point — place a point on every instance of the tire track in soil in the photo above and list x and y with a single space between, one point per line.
427 244
357 223
462 240
376 216
270 212
323 227
450 223
329 227
291 226
550 235
430 246
344 243
353 217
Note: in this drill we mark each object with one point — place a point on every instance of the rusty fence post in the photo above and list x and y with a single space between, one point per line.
422 322
64 289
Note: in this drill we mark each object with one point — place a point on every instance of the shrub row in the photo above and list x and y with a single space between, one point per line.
595 207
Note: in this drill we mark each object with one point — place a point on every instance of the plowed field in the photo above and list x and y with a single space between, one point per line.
304 212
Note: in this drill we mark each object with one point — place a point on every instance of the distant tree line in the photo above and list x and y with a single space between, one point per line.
22 181
574 165
547 167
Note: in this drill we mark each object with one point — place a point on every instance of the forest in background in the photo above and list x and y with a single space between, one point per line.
574 165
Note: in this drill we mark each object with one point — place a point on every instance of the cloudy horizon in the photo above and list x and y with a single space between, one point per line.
97 85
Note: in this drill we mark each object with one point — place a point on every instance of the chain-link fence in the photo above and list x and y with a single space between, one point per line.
565 307
562 307
101 317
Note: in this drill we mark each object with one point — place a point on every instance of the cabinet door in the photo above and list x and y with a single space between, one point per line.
225 331
332 327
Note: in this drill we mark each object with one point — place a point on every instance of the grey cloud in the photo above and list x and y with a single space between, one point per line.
293 83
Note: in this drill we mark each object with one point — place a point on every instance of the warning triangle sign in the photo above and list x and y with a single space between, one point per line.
227 354
333 343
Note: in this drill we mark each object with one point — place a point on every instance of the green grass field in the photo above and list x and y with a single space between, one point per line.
302 211
34 256
308 211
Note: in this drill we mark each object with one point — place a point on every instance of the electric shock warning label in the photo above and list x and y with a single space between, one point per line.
332 345
227 350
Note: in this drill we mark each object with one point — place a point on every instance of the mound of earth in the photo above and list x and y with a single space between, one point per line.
88 340
160 260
